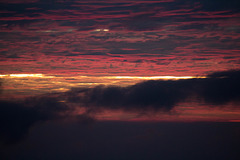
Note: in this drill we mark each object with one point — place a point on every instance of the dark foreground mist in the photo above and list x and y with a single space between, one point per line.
127 140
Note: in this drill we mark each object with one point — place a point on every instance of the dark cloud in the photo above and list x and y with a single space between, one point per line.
201 59
222 87
19 1
16 118
220 5
120 52
218 88
145 96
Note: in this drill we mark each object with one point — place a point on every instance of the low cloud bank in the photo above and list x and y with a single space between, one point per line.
217 89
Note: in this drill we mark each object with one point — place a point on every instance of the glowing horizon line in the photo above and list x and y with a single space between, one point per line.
107 77
152 77
24 75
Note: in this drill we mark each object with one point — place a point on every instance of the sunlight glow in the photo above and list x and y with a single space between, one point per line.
3 75
104 77
61 83
25 75
103 30
151 78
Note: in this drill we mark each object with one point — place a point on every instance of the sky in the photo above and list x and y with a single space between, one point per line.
150 64
135 37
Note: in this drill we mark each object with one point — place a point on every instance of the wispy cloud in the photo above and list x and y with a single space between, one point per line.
34 33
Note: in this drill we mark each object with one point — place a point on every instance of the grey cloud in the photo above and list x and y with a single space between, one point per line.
16 118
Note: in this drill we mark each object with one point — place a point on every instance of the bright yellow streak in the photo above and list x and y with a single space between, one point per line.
2 75
150 78
104 30
32 84
25 75
105 77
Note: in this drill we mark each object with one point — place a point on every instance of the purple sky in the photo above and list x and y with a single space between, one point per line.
128 37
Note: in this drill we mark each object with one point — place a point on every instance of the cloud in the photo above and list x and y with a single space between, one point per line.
221 87
16 118
19 1
60 29
218 88
145 96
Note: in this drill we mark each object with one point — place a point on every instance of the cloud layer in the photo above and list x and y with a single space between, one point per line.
218 89
153 37
17 117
